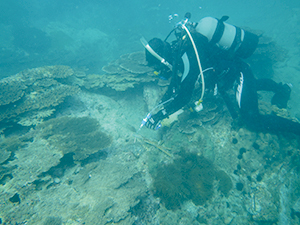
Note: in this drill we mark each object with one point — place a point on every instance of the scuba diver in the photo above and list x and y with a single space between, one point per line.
211 53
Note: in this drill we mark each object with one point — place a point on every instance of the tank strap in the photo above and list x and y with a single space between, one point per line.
237 40
219 30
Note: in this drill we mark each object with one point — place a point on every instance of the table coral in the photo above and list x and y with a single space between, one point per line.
126 72
34 89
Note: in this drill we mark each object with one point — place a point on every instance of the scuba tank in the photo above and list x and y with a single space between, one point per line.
231 39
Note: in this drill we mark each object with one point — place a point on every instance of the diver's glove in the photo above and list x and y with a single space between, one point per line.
155 121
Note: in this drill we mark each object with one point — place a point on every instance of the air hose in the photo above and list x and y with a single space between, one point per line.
198 60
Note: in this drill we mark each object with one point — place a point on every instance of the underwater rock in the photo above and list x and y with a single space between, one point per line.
145 210
12 144
188 127
261 204
255 146
152 94
163 83
212 110
109 195
208 117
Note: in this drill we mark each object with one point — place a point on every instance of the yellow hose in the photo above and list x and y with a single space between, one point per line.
198 60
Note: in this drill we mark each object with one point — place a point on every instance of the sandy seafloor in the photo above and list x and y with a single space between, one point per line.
71 154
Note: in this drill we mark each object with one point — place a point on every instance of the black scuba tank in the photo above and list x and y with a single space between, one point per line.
232 39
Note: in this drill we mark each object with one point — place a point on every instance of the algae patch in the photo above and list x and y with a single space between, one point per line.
78 135
189 177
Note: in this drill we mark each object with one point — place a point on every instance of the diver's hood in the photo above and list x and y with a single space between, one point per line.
152 52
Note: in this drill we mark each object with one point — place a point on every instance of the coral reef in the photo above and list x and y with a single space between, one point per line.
152 94
94 194
11 91
126 72
35 117
212 110
9 146
34 89
90 167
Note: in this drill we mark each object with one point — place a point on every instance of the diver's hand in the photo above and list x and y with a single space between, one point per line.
155 121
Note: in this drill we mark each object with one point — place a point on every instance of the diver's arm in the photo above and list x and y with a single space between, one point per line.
179 101
190 73
184 95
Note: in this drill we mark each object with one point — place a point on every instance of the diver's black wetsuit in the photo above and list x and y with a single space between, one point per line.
227 74
249 105
184 88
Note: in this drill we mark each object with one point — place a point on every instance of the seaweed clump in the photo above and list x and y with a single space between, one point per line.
189 177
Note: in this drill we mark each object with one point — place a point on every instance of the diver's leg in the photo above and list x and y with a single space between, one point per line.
282 91
246 97
266 85
248 103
